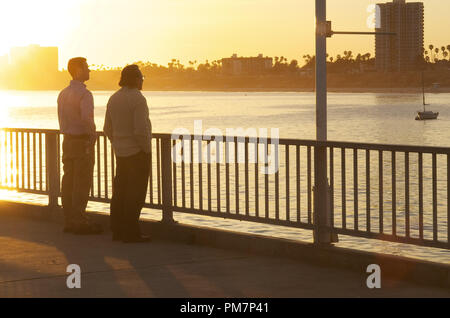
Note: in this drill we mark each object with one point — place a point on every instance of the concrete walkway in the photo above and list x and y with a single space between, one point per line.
34 256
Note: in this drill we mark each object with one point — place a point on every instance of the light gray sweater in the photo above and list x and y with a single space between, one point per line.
127 122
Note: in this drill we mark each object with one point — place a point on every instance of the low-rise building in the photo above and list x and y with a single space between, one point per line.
246 65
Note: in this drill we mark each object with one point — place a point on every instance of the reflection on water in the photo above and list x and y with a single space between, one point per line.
373 118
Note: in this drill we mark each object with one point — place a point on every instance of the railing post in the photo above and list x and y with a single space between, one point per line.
51 158
166 167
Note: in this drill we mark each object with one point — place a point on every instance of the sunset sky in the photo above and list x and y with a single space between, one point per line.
116 32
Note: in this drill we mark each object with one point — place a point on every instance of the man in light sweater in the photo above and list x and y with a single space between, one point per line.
128 127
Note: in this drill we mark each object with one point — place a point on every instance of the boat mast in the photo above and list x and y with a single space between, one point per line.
423 92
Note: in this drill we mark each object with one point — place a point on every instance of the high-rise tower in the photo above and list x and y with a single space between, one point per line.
403 51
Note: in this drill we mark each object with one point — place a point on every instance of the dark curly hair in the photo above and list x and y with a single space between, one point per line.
129 75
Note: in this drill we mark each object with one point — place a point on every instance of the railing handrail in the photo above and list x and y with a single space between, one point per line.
282 141
303 160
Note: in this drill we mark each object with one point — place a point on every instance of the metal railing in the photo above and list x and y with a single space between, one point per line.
385 192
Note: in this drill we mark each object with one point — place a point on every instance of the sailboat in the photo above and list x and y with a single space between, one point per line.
426 114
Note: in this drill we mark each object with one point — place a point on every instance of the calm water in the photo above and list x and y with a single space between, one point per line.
377 118
374 118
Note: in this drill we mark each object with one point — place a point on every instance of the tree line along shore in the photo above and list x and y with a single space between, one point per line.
346 72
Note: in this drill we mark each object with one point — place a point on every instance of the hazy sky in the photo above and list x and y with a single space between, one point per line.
116 32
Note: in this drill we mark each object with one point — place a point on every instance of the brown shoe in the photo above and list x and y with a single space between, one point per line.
116 237
68 229
87 229
138 239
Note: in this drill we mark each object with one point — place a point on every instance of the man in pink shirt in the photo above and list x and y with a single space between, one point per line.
76 122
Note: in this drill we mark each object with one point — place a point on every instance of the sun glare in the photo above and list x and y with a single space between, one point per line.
44 22
6 100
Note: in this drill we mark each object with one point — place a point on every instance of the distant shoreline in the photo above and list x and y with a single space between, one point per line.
417 90
402 90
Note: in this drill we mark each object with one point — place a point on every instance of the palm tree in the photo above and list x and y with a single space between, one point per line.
350 55
293 65
307 58
436 50
443 49
431 47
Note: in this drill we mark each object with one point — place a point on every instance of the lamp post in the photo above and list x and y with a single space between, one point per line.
321 71
322 192
322 232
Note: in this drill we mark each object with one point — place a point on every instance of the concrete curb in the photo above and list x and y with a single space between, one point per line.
394 267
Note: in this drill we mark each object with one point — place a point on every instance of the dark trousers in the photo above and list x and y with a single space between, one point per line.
129 192
78 164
